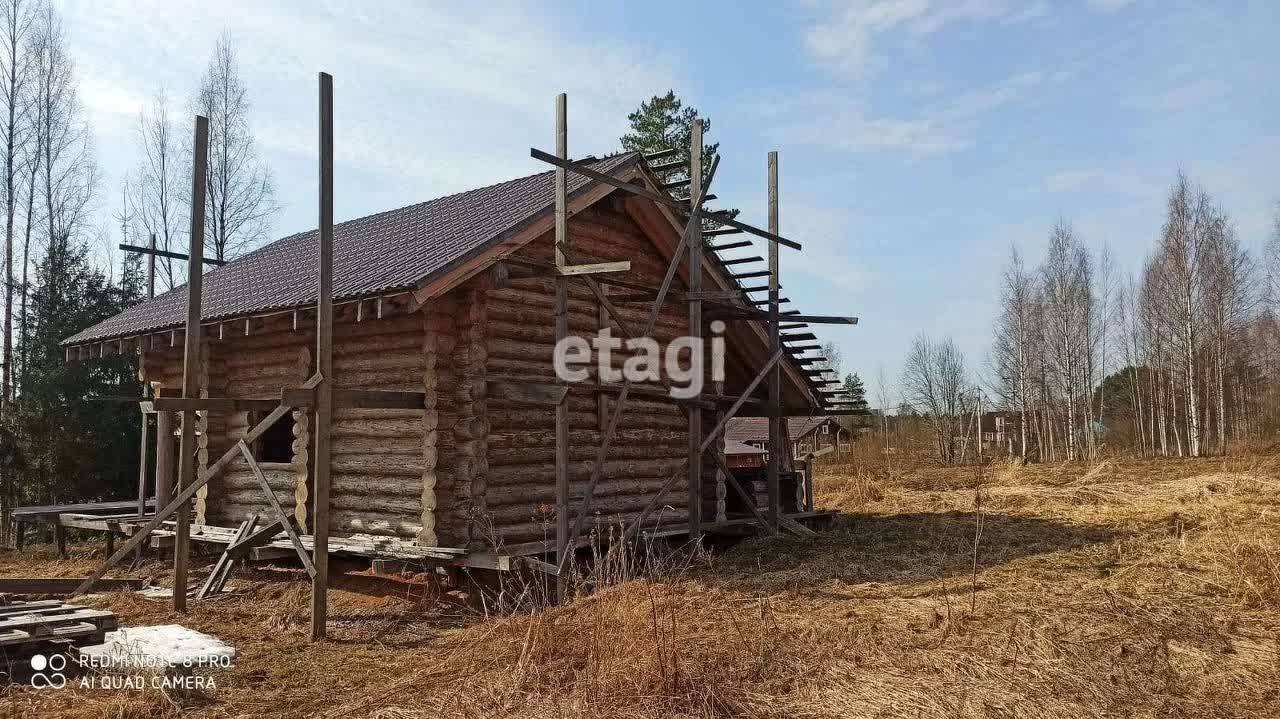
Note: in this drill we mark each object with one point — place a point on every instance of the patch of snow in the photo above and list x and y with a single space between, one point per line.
162 646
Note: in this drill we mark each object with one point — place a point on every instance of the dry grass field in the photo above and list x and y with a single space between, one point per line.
1123 588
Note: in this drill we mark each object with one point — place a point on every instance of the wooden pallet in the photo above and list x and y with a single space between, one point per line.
26 625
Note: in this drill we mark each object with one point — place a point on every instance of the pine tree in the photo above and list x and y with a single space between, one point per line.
857 393
73 449
663 122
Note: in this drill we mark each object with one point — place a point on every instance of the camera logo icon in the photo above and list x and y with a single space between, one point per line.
47 671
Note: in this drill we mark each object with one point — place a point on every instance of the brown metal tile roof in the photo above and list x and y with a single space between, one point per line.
379 254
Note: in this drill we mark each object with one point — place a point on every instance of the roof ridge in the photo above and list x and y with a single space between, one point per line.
451 195
403 208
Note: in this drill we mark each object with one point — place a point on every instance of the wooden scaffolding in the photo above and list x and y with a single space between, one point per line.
318 396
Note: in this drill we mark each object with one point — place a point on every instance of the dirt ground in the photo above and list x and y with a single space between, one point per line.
1146 588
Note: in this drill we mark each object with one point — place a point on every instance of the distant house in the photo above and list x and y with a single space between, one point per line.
1002 432
740 455
807 435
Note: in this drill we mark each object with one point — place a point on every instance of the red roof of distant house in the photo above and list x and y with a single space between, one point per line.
756 429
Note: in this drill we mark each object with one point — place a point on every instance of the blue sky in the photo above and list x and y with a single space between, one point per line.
918 140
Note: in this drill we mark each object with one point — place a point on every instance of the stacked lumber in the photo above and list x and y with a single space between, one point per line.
25 626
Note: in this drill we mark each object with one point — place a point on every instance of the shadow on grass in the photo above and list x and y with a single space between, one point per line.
898 548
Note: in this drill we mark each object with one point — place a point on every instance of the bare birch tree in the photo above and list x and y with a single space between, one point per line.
1068 301
15 73
241 194
935 381
1012 350
155 187
68 174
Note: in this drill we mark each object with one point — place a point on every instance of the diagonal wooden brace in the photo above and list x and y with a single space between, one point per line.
694 224
188 492
285 519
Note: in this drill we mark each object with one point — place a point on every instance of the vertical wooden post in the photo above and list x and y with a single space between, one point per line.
695 330
151 267
776 436
561 312
190 361
164 458
143 484
324 365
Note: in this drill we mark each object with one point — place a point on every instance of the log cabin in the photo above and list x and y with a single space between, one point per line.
450 298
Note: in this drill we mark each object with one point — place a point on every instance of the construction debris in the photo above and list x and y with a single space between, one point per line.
28 626
64 585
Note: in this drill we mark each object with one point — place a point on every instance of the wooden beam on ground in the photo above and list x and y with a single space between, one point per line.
64 585
263 535
324 368
191 359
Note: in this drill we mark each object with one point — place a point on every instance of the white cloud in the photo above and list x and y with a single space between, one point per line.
977 102
839 120
427 100
843 35
1108 6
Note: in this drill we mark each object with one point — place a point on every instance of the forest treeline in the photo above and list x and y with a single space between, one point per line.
1178 358
62 271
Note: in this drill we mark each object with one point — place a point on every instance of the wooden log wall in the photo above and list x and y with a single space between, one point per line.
652 438
380 457
395 472
260 366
